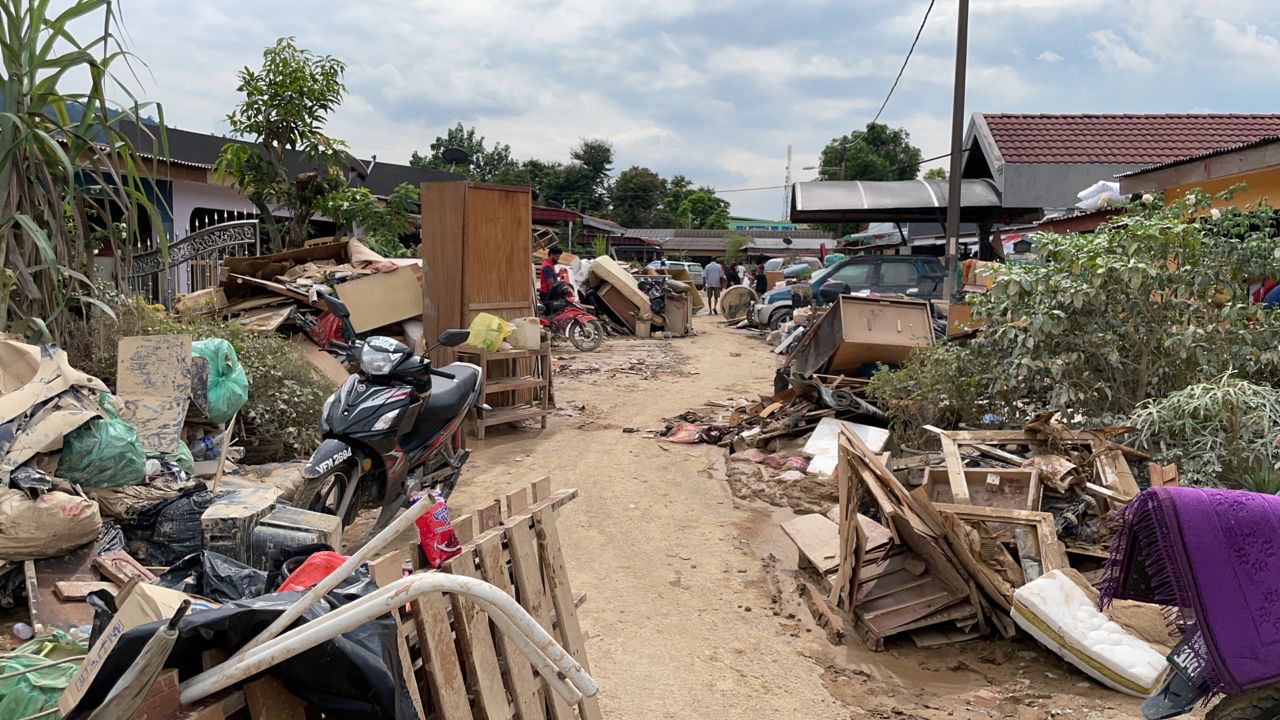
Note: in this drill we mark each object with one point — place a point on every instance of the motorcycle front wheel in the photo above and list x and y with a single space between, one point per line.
586 336
324 494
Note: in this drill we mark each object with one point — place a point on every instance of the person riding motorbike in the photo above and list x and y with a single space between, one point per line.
547 277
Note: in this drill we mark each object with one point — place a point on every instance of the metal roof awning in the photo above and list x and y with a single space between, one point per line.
899 201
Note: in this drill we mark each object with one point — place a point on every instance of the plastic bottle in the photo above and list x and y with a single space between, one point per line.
206 447
23 631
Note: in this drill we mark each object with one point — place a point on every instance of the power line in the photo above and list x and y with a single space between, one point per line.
905 60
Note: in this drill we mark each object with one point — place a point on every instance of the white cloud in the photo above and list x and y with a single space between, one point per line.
1246 43
1049 56
779 64
1114 54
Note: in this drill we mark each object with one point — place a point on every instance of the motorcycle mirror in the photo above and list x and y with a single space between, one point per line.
454 338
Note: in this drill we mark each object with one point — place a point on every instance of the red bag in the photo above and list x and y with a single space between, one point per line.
312 570
328 328
435 531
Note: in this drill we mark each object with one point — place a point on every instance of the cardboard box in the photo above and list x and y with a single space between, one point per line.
876 330
139 605
384 298
960 319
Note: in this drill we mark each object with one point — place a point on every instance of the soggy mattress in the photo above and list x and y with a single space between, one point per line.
1057 612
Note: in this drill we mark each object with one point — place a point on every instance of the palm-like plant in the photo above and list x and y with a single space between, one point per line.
67 168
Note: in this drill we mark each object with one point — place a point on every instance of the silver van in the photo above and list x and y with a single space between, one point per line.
695 270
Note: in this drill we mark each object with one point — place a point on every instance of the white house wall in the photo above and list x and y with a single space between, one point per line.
187 196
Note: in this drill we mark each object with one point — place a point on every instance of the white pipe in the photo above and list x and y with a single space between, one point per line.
553 663
331 581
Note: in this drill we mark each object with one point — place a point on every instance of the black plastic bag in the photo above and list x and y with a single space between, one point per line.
214 576
110 538
167 531
356 675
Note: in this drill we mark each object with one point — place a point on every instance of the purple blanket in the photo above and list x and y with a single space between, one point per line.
1214 556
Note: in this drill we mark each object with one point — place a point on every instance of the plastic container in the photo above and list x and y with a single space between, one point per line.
526 334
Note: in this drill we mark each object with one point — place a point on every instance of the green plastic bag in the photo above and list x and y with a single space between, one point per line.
103 453
34 692
228 386
182 456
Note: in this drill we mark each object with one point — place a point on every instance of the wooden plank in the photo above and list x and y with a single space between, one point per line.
268 699
43 575
955 469
435 641
489 517
1115 473
495 268
385 570
557 577
120 567
524 689
70 590
476 643
817 539
532 595
517 501
542 489
443 214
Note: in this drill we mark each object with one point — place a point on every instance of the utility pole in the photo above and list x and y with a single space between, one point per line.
844 150
957 150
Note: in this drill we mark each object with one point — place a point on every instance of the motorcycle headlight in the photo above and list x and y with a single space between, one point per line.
376 362
386 422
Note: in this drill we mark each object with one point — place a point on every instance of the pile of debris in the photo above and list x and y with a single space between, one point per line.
281 293
955 557
657 303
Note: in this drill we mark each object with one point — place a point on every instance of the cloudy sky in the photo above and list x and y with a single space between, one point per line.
714 89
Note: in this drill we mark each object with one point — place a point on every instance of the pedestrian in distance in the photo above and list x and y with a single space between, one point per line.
761 280
713 279
733 276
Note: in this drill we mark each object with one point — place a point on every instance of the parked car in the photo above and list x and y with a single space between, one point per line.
776 264
695 270
777 306
918 276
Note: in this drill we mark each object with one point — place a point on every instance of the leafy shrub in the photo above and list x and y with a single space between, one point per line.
282 416
935 386
1151 303
1219 433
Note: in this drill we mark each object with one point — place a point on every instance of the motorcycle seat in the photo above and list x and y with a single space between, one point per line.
449 396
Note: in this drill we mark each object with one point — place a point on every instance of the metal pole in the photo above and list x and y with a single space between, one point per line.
786 190
957 150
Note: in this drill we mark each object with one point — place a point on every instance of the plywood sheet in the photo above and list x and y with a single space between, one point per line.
496 265
606 269
443 207
384 298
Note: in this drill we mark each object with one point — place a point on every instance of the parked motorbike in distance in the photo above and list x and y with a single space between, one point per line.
562 314
393 429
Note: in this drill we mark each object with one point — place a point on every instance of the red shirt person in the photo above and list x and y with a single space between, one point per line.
547 274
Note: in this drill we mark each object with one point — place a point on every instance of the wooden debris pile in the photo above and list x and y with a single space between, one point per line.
941 562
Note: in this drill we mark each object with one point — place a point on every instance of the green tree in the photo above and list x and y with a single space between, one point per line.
735 248
67 170
876 153
381 223
936 173
284 108
636 197
486 164
583 184
701 209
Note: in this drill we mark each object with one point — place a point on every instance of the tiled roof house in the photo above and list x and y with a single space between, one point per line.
1044 160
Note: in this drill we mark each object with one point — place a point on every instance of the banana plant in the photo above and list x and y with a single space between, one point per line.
68 167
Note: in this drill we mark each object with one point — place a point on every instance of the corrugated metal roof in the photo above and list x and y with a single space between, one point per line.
667 233
1121 139
1260 142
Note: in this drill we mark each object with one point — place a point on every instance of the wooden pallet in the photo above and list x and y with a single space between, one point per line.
458 665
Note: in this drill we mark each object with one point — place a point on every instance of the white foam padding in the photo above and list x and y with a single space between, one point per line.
1066 609
824 444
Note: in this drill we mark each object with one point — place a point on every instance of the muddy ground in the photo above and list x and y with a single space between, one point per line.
691 606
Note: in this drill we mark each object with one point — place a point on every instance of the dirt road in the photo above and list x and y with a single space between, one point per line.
691 610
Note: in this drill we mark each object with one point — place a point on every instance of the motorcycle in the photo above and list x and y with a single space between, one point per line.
563 315
391 430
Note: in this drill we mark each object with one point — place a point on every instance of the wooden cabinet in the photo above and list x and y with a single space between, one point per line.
476 255
517 385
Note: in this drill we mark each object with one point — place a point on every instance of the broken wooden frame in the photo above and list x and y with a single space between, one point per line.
1108 457
1052 555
